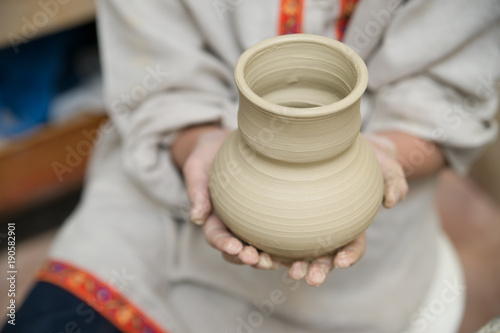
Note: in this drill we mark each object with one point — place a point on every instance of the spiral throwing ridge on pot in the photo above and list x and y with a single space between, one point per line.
297 180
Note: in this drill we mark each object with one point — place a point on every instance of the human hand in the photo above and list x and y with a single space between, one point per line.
395 185
395 189
196 171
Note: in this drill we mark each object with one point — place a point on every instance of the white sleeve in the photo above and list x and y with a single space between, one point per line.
158 78
434 75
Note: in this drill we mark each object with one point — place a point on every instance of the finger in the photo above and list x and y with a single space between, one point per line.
196 175
318 270
351 253
249 255
196 172
395 184
232 258
220 238
265 261
298 270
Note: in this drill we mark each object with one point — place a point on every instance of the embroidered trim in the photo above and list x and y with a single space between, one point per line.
291 17
292 12
346 9
100 296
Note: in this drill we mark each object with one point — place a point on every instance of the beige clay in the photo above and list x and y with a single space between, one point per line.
297 180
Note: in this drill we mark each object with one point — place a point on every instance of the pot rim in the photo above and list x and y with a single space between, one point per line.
350 99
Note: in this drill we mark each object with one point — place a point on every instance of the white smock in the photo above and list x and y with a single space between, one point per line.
169 64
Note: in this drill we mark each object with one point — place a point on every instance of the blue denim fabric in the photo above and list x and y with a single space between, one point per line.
50 309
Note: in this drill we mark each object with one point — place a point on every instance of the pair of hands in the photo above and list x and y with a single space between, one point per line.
196 167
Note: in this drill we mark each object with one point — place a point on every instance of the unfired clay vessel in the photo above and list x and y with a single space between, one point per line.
297 180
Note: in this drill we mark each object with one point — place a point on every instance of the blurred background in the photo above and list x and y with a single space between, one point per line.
51 109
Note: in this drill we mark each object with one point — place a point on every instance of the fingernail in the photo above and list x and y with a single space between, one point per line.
196 217
265 261
341 260
233 247
297 271
390 200
344 263
317 278
250 256
197 209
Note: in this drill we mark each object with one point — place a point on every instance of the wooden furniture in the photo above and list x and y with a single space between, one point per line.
24 20
45 165
27 166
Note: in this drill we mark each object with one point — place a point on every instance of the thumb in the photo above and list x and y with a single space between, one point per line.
395 184
196 175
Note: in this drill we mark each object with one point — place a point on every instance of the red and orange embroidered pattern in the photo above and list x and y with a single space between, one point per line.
346 9
103 298
100 296
292 12
291 17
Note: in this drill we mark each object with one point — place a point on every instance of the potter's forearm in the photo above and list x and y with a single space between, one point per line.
186 141
419 158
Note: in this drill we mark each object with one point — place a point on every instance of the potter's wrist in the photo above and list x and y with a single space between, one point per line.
383 144
419 157
187 139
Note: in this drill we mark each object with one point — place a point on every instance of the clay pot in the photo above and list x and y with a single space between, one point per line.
297 180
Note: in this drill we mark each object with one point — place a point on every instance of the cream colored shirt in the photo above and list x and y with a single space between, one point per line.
169 64
431 64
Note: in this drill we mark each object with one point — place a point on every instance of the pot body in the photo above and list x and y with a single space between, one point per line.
297 180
